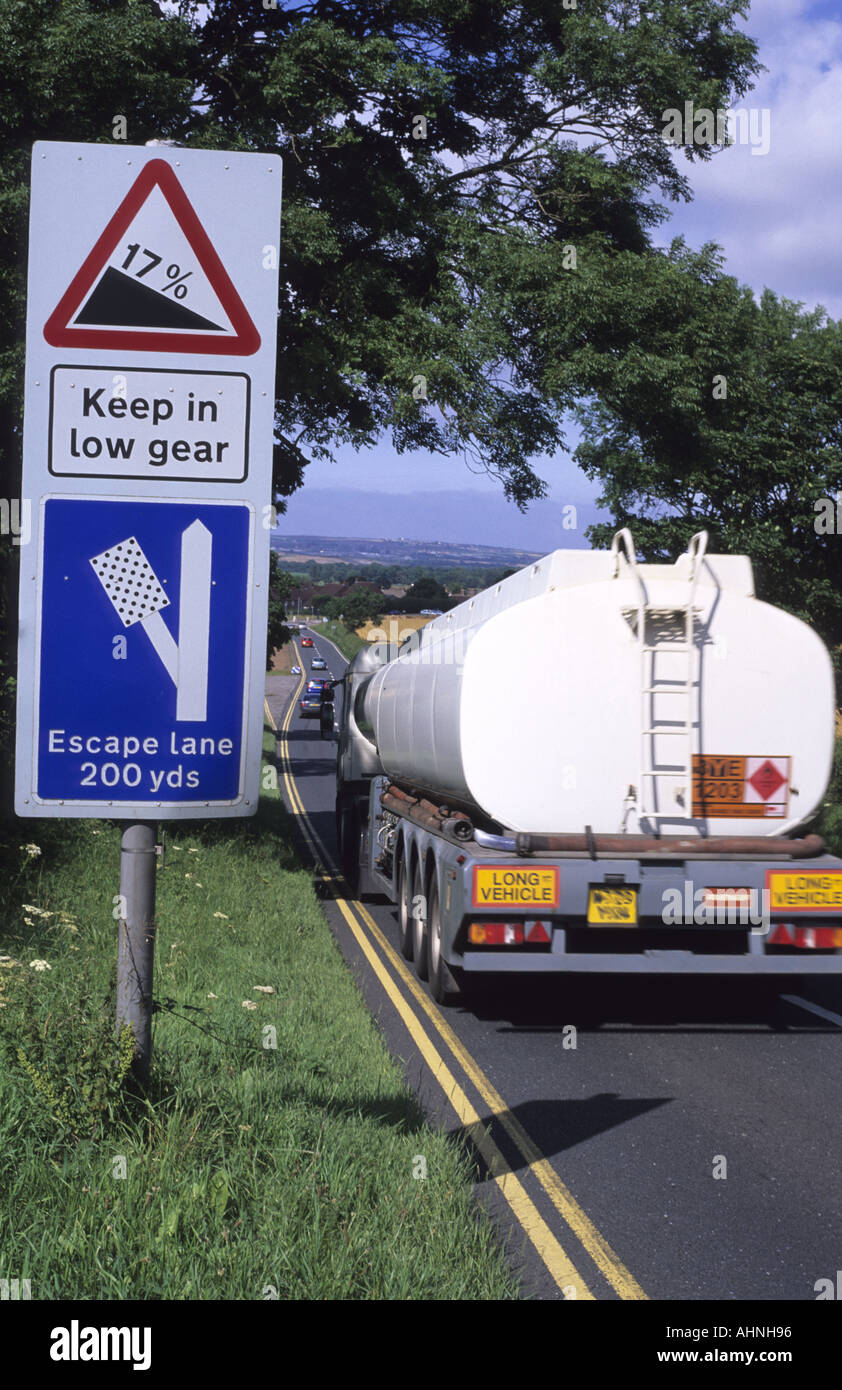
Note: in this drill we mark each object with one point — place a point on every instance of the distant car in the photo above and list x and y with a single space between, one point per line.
318 685
310 705
306 641
317 664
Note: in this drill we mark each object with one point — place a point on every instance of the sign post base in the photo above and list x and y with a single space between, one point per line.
136 950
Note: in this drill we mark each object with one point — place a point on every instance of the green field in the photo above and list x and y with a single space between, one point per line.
277 1150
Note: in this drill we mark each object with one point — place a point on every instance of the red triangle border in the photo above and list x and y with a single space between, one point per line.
58 330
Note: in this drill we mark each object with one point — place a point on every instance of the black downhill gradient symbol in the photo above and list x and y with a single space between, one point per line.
120 302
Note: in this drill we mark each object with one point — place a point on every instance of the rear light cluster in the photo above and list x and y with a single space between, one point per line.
807 938
508 933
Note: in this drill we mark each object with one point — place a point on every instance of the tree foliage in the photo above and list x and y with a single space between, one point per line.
358 608
728 418
421 140
281 585
426 593
440 158
67 67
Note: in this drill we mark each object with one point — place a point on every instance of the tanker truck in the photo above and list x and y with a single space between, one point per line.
596 765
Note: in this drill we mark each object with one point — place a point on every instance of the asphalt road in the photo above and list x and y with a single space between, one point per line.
615 1131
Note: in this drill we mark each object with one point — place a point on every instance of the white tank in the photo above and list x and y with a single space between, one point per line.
542 703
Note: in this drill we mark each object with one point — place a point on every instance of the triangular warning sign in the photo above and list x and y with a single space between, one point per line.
153 282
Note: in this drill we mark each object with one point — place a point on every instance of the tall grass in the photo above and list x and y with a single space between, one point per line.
276 1150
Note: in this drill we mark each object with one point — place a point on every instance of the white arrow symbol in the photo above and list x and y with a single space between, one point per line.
138 597
194 623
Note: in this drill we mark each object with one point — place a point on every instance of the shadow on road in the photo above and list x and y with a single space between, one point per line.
685 1004
556 1125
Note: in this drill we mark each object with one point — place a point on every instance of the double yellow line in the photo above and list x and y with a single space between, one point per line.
568 1279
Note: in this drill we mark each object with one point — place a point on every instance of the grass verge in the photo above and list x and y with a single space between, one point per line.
347 642
277 1147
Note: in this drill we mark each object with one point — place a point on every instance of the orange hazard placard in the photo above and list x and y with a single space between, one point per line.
740 787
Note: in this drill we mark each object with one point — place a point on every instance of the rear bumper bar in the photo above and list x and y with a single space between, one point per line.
648 963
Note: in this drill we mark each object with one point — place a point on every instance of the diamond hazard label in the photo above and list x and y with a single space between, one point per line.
766 780
153 281
739 787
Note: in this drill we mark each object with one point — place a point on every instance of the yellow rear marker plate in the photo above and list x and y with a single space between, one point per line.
612 907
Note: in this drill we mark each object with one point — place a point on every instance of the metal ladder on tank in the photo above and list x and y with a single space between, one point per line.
678 688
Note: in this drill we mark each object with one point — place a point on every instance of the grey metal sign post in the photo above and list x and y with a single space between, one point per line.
136 945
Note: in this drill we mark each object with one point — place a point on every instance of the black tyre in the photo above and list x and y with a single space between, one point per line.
443 987
420 940
404 912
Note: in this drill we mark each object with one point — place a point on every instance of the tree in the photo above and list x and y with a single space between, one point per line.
329 607
418 137
432 180
730 420
67 67
281 585
358 608
421 137
426 593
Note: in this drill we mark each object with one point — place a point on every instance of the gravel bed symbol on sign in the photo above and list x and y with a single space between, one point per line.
137 596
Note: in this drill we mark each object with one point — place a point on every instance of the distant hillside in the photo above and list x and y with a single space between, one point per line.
353 550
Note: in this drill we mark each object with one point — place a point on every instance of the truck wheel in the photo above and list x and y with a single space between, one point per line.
420 939
443 987
404 913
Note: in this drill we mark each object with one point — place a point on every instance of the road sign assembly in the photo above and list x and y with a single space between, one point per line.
150 383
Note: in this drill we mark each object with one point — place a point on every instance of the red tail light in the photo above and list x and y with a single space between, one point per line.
496 933
806 938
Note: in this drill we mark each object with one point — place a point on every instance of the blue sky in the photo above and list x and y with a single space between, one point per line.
777 215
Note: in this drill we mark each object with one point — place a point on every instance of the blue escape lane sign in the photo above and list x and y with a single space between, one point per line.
143 672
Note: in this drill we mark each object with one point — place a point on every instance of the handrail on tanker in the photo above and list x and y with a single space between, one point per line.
625 536
696 549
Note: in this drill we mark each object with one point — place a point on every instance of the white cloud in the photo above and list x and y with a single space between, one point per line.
777 216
